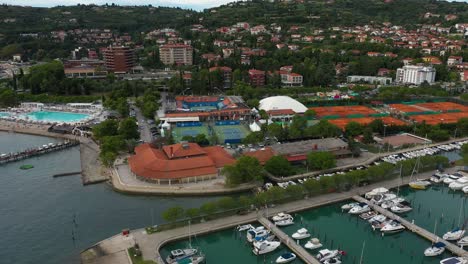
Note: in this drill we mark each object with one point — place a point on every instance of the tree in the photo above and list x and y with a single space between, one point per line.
106 128
253 138
209 208
173 213
295 191
246 169
312 186
192 212
277 131
377 126
201 140
8 98
226 203
279 166
310 114
353 129
368 137
129 129
321 160
244 201
462 127
438 134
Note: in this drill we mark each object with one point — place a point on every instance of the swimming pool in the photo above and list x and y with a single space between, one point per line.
50 116
3 114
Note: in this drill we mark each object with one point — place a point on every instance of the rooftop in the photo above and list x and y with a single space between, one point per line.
306 146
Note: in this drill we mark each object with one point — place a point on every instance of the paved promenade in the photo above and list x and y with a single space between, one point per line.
289 242
151 244
414 228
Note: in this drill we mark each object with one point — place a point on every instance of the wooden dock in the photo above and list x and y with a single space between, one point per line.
37 151
414 228
289 242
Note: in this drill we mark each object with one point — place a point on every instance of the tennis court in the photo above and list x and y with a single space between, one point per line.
342 122
179 132
343 111
232 134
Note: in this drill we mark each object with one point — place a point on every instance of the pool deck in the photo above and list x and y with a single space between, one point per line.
414 228
150 245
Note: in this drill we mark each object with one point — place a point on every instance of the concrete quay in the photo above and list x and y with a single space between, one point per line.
150 244
414 228
289 242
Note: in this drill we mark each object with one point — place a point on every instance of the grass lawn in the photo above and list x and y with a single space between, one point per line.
137 258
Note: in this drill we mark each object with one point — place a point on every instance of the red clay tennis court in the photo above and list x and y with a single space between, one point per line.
446 118
342 122
343 111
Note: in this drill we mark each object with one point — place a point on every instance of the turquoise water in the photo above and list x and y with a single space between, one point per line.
3 114
56 116
336 230
436 204
37 210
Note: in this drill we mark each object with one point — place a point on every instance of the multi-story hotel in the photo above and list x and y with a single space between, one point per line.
119 59
176 54
415 74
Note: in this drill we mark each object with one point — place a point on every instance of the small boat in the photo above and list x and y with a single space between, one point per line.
260 231
241 228
360 208
280 216
263 247
437 178
455 234
435 250
465 189
451 178
26 167
335 260
285 222
348 206
459 184
463 241
368 215
301 234
286 257
376 191
419 184
178 254
326 254
393 226
402 207
389 204
377 225
454 260
380 198
192 260
314 243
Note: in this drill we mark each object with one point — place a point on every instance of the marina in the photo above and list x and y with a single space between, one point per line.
32 152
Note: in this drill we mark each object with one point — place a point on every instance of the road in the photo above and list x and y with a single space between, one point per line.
144 127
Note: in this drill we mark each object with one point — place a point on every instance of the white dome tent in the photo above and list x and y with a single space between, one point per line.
281 103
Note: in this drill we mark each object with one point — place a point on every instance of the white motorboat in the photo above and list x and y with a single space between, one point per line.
435 250
348 206
368 215
360 208
437 178
335 260
388 204
257 233
285 222
280 216
178 254
241 228
192 260
459 184
377 225
465 189
463 242
286 258
263 247
454 260
455 234
402 207
376 191
380 198
451 178
393 226
326 254
314 243
379 218
301 234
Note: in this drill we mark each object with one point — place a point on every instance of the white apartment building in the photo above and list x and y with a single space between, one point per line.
412 74
291 79
369 79
176 54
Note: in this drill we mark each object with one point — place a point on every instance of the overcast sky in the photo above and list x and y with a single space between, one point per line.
194 4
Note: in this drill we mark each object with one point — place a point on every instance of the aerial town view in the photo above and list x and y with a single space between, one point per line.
227 132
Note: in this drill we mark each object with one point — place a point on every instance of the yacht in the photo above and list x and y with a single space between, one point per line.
178 254
459 184
402 207
314 243
368 215
258 232
451 178
301 234
286 258
454 260
389 204
241 228
435 250
438 178
419 184
335 260
347 207
280 216
263 247
197 259
285 222
380 198
376 191
463 242
377 218
360 208
465 189
326 254
455 234
393 226
377 224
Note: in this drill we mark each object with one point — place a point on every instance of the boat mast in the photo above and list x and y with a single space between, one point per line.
435 227
189 237
362 251
401 178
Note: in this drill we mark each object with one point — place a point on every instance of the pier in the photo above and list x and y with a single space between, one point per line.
37 151
414 228
289 242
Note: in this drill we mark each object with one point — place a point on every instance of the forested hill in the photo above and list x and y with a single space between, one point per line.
326 13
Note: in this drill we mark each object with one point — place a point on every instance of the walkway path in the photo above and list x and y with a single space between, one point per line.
286 240
414 228
151 244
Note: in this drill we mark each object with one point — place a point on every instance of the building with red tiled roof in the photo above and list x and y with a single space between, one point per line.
257 77
178 163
